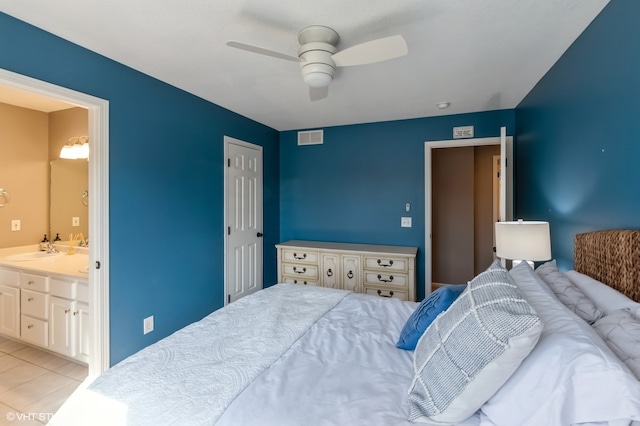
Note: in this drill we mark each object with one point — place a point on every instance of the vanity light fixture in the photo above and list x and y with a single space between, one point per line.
76 148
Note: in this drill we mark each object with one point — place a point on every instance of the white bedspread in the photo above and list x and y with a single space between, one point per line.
191 377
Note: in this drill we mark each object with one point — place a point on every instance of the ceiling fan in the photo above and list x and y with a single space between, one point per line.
318 56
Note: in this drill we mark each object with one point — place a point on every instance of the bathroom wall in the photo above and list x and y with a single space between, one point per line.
29 139
24 174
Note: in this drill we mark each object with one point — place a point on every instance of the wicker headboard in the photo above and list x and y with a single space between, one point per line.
612 257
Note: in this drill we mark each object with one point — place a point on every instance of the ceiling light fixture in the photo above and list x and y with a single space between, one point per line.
443 105
76 148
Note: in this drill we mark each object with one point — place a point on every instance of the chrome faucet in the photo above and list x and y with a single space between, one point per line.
49 247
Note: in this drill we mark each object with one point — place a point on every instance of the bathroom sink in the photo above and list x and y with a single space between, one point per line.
34 255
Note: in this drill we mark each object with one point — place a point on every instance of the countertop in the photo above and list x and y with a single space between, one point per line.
66 264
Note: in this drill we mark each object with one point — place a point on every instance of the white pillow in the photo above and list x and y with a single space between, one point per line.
471 349
607 298
571 376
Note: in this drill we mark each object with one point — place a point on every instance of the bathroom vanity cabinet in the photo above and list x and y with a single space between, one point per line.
47 310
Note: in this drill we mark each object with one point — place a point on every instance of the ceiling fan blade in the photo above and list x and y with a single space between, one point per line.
372 51
318 93
262 51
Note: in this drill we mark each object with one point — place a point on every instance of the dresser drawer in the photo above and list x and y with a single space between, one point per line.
34 330
299 281
34 282
10 278
299 256
34 304
300 271
395 264
387 279
385 292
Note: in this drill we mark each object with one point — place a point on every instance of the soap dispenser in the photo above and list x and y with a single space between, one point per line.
44 243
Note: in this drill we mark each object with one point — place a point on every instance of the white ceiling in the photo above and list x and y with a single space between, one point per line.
479 55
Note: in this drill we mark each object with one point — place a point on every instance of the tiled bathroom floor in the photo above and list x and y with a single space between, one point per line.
34 383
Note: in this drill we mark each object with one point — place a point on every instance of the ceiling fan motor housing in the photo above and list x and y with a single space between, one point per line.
318 67
317 45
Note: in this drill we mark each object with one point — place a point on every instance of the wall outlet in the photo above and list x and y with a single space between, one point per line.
405 222
15 225
148 325
75 221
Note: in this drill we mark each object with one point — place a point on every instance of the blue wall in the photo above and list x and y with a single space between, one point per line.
578 132
166 184
354 187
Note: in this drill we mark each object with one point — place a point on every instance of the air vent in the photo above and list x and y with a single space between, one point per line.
311 137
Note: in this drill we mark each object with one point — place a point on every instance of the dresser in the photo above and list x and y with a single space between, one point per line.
385 271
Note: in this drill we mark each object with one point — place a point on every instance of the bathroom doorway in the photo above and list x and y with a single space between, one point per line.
97 198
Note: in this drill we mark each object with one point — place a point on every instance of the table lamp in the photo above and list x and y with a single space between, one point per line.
523 241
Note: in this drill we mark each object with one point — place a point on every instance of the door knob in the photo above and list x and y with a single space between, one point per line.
259 234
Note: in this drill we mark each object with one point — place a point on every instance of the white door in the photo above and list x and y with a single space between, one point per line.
244 219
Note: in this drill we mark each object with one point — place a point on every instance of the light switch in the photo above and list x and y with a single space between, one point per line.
405 222
75 221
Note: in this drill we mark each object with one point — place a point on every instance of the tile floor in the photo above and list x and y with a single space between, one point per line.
34 383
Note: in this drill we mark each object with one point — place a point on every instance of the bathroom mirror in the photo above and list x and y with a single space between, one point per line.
68 199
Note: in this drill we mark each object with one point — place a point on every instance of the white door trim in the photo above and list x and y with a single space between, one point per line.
99 360
508 172
227 141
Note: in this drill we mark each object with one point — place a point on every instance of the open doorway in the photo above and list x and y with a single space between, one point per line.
98 199
506 207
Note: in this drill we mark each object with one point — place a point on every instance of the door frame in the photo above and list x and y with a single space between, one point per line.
98 111
506 153
228 140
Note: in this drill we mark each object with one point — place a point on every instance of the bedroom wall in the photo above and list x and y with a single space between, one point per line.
354 187
577 134
166 204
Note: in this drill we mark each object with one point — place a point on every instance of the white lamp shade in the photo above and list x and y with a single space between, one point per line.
68 152
523 240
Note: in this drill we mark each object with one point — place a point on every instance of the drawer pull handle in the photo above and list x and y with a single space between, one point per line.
30 326
350 274
76 313
295 256
386 265
329 272
66 311
385 281
30 299
30 282
296 282
384 295
299 272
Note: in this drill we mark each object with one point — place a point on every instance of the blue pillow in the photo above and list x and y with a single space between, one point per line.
426 312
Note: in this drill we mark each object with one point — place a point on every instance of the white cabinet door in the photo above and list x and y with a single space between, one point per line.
329 276
9 311
83 329
61 325
351 273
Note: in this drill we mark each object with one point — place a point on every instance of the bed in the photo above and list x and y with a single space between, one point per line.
528 347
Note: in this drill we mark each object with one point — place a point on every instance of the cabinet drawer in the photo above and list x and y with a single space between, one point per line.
385 263
61 288
299 281
299 256
10 278
34 282
34 304
82 292
387 279
301 271
34 330
385 292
